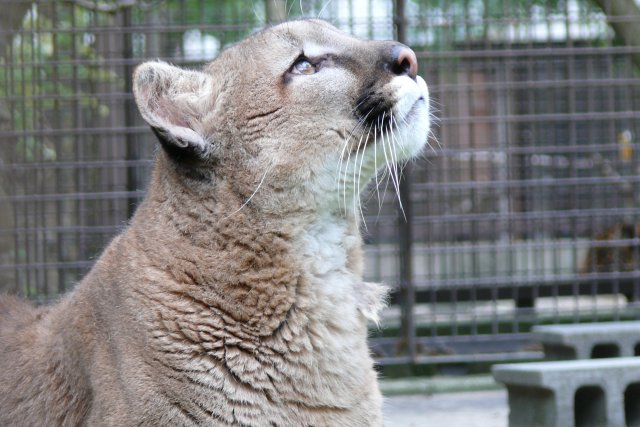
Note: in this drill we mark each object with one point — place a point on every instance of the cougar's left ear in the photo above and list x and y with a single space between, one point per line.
174 101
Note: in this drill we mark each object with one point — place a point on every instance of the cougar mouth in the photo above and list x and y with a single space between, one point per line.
398 105
408 116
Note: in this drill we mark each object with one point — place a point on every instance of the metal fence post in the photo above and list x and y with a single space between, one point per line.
130 111
407 291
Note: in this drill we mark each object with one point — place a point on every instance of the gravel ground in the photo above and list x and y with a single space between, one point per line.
463 409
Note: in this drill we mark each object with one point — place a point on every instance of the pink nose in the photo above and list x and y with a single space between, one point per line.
405 62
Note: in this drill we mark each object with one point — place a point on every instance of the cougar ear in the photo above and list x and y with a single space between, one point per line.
173 101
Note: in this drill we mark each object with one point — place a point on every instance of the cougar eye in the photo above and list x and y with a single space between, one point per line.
303 66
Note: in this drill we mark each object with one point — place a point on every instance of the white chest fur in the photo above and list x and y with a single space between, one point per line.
326 250
325 246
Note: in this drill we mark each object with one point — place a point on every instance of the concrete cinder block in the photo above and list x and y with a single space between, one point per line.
577 393
589 340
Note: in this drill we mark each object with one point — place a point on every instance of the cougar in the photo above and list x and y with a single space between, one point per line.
235 296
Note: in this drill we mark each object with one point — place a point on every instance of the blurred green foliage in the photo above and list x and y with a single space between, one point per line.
52 66
57 63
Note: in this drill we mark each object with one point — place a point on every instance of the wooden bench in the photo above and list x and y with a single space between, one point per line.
577 393
589 340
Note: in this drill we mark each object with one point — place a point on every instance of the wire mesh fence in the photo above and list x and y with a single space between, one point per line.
525 210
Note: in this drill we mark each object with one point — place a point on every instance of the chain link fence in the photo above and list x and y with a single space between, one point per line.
524 211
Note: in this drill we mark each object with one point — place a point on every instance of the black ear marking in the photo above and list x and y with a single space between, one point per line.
178 148
188 158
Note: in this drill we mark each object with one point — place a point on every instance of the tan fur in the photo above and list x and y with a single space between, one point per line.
235 296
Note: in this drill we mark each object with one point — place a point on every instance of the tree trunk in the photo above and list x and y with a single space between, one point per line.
11 21
628 29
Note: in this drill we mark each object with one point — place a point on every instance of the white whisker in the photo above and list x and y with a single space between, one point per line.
387 156
253 194
386 177
366 98
340 175
393 171
344 181
290 8
397 168
375 162
255 12
358 195
392 164
323 8
341 159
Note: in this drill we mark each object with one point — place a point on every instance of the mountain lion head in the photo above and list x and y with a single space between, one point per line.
297 117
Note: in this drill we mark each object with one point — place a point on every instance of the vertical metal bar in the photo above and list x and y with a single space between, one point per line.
78 147
129 111
572 143
58 176
41 208
407 291
26 208
474 197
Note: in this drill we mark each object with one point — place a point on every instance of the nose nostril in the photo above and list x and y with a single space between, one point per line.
405 66
405 62
401 68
